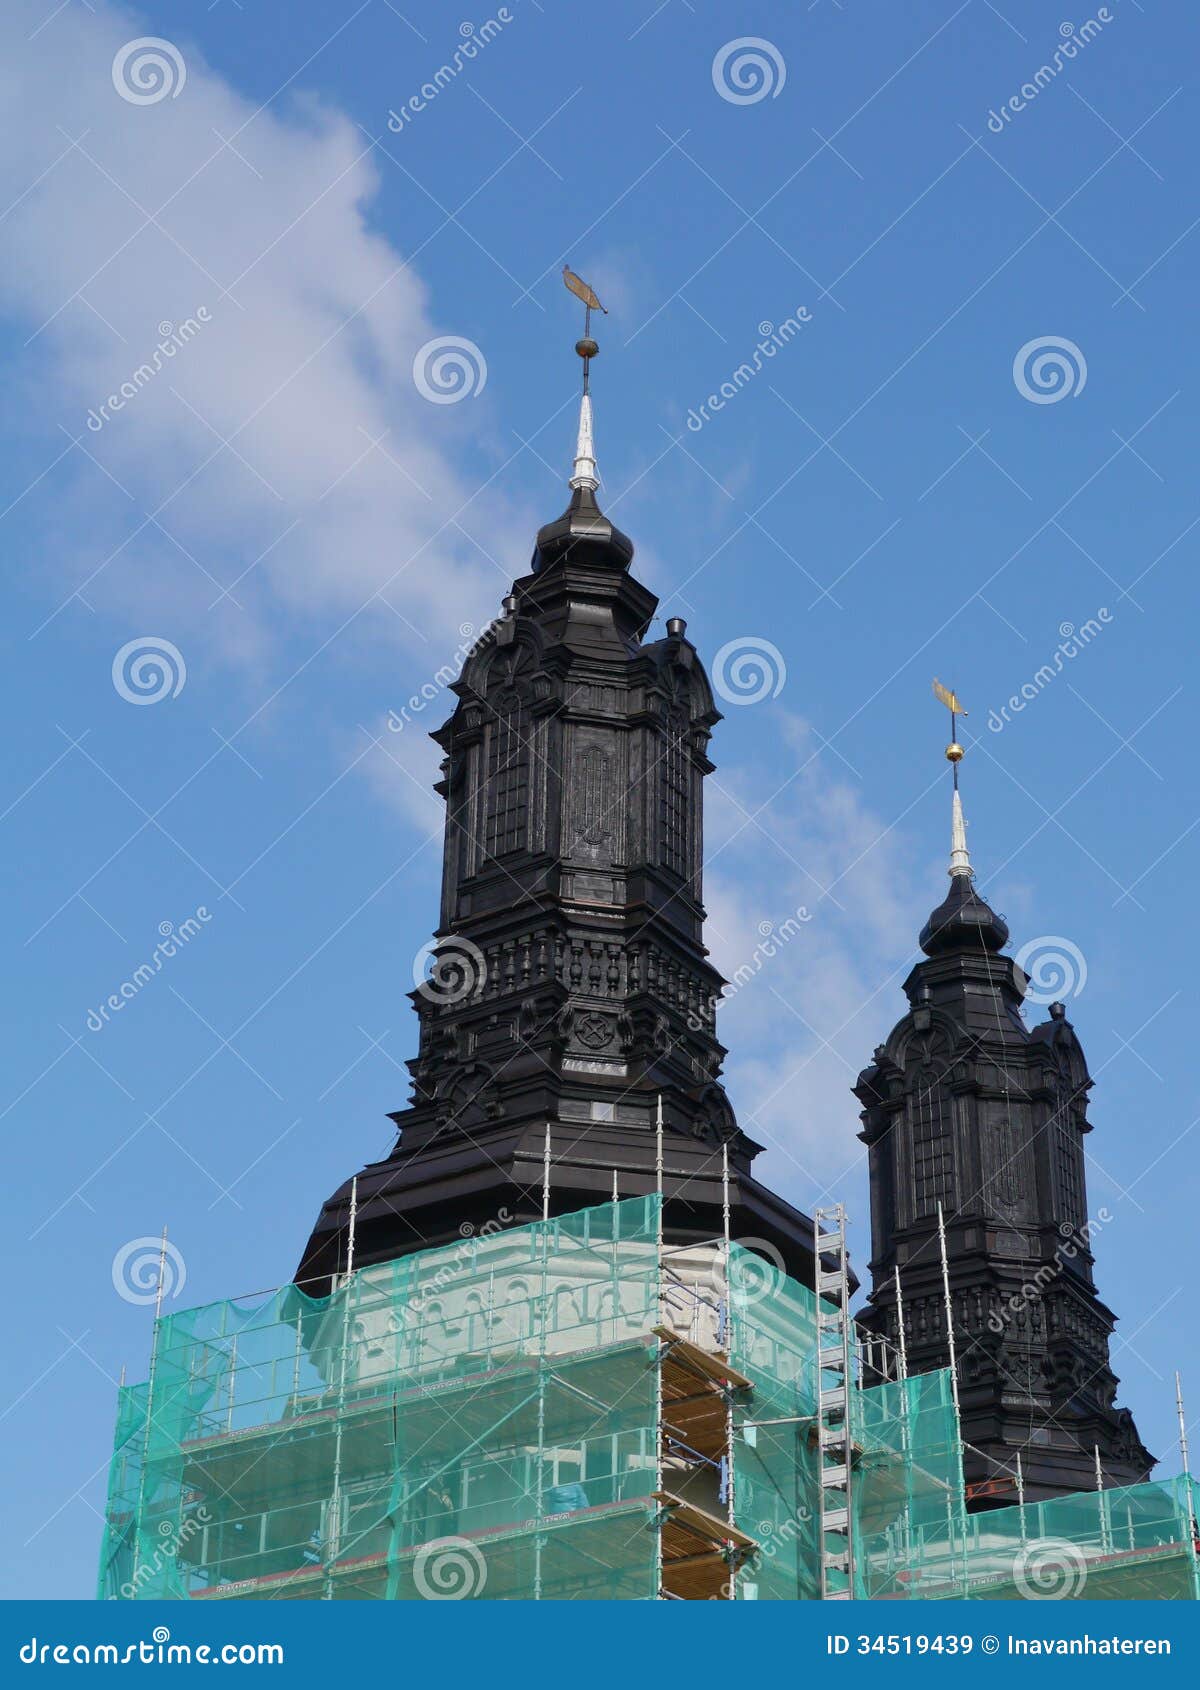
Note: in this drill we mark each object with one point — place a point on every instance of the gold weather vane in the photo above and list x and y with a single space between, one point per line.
586 346
960 861
576 285
948 697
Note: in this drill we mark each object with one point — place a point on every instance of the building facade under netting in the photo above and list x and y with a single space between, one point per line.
572 1410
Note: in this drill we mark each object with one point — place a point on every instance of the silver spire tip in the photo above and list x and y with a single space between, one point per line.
584 474
960 861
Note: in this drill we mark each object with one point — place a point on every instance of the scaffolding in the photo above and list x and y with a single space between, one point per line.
572 1410
835 1469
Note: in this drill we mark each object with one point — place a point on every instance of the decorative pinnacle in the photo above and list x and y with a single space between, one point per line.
960 862
585 451
584 474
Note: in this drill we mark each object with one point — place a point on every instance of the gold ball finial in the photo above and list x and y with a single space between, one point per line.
954 752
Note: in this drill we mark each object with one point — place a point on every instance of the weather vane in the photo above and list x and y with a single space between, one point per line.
954 751
586 346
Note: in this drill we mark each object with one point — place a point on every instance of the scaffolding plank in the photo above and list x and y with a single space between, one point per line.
709 1364
711 1527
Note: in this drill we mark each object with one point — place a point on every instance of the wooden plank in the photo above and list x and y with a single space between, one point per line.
681 1563
708 1526
704 1362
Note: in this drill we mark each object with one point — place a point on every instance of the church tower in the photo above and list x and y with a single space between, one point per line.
570 997
971 1116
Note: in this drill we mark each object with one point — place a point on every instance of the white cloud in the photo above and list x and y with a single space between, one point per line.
401 763
307 357
800 1031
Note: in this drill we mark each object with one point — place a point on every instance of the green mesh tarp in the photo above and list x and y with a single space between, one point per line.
1125 1544
772 1341
916 1542
475 1420
907 1477
124 1492
485 1421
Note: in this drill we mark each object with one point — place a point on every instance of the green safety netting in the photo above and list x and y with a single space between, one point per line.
479 1418
1123 1544
772 1341
124 1493
907 1476
485 1420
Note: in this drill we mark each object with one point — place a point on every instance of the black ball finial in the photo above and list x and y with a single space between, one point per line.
587 347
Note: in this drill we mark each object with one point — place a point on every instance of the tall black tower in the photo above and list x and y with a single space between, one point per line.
967 1109
571 989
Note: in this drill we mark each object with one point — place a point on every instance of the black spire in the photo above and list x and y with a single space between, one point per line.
967 1109
572 989
583 532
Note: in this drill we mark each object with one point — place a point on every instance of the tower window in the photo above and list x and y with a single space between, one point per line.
933 1146
506 825
1067 1169
673 802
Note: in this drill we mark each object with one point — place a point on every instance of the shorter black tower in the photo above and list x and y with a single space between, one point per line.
967 1109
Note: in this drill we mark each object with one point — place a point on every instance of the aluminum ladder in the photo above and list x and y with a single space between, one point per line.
834 1451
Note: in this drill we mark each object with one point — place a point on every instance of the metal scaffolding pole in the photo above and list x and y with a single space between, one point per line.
729 1427
662 1348
331 1548
835 1439
141 1499
949 1305
1187 1479
543 1322
903 1362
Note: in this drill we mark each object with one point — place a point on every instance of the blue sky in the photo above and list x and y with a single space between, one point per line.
281 503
